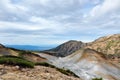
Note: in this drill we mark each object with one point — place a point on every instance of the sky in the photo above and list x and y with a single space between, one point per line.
51 22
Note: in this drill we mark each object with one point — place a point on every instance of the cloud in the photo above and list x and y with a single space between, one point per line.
105 8
56 21
11 12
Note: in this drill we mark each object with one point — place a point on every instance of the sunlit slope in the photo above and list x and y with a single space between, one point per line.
4 51
107 44
88 64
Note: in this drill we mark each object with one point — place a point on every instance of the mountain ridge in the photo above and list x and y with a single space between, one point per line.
109 45
66 48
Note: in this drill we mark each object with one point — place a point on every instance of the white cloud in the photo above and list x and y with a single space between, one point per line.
22 26
12 12
7 6
56 21
107 7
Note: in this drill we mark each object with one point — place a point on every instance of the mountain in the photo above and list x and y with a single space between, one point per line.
100 58
5 51
109 45
66 48
88 64
97 59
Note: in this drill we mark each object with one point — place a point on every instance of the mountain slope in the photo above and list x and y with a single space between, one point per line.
1 46
16 71
21 53
36 73
88 64
66 48
109 45
7 51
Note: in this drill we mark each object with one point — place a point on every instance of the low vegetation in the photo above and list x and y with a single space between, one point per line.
64 71
97 79
20 61
13 60
21 53
45 64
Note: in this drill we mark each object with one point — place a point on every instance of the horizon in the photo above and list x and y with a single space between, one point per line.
53 22
55 45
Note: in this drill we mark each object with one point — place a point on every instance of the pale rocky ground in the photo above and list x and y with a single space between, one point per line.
87 64
37 73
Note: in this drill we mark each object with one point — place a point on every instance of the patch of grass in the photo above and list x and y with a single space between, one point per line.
97 79
64 71
67 72
110 43
45 64
21 53
13 60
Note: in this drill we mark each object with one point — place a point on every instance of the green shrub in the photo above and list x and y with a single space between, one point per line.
97 79
45 64
10 56
13 60
67 72
21 53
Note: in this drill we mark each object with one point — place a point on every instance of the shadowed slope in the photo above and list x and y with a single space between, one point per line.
66 48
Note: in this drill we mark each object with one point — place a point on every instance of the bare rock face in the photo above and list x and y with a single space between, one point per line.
37 73
66 48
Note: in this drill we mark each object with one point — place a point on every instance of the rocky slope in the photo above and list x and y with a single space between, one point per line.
108 45
37 73
66 48
100 58
88 64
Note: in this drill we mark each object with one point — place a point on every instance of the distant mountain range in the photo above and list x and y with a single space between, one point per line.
30 47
